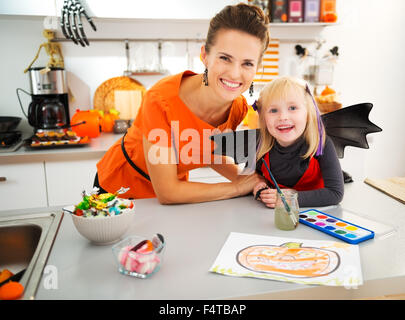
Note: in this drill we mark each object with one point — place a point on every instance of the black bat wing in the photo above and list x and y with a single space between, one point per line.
349 127
346 127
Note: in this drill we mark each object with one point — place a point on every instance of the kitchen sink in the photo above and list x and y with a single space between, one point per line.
25 244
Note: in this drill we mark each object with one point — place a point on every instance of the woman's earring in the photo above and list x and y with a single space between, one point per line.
205 77
251 89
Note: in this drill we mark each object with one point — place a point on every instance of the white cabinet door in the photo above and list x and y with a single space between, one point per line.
157 9
22 186
67 179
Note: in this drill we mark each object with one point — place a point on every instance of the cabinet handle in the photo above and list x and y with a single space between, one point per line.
3 179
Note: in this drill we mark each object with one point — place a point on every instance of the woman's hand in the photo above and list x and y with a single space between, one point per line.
169 189
268 196
245 183
259 186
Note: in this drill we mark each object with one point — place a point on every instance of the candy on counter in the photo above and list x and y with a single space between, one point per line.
140 259
5 274
95 205
12 290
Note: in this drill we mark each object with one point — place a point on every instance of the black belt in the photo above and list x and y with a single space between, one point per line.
133 165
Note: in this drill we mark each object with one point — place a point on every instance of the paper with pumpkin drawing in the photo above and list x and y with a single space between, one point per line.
292 260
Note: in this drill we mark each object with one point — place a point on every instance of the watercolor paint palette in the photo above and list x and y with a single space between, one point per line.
335 227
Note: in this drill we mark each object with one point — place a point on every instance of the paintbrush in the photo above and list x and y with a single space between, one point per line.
286 206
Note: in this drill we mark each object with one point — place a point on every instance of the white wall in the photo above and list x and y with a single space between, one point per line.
370 36
371 68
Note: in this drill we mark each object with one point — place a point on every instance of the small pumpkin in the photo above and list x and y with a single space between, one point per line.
86 123
289 259
108 119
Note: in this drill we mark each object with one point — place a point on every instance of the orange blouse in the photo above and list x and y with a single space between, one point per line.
165 120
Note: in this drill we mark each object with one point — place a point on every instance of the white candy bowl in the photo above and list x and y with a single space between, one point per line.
104 230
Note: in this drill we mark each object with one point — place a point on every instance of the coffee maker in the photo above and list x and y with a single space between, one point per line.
49 109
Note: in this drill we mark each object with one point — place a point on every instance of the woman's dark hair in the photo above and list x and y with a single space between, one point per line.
243 17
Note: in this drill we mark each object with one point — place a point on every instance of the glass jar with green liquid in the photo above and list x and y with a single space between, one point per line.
282 219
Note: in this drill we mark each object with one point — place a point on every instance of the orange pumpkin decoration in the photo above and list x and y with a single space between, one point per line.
289 259
86 123
327 91
108 119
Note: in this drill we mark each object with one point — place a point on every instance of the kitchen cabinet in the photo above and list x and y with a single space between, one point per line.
23 186
45 184
50 177
151 19
66 179
127 9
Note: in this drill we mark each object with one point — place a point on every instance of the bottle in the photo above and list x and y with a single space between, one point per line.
120 126
296 11
311 11
282 219
328 11
278 10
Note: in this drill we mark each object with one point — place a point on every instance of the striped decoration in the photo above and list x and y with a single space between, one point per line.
269 69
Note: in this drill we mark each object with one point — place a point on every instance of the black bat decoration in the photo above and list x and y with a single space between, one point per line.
345 127
349 127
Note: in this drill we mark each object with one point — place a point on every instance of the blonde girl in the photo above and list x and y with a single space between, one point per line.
294 145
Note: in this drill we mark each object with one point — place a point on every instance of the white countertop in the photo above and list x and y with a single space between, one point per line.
195 233
96 148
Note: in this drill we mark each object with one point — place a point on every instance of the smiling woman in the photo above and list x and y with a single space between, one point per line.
197 104
231 63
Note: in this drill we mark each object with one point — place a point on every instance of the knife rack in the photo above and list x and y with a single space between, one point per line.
127 72
144 72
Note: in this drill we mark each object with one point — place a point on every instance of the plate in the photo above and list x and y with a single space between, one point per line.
79 142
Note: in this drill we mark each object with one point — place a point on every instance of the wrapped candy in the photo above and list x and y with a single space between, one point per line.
102 205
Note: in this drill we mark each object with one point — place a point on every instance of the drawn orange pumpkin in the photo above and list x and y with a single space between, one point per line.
289 259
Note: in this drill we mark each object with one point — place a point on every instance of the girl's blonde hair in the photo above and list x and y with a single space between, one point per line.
279 89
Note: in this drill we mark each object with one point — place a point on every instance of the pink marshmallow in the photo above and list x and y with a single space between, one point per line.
143 268
142 261
122 256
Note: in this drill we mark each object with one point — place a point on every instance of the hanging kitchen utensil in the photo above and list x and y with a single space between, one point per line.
145 62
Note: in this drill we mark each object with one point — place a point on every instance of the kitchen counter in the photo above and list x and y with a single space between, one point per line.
96 148
195 233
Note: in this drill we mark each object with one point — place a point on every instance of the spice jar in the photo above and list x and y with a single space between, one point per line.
120 126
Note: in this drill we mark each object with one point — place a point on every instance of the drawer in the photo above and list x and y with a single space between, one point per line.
22 186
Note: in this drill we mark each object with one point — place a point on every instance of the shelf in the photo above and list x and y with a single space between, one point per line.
302 24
